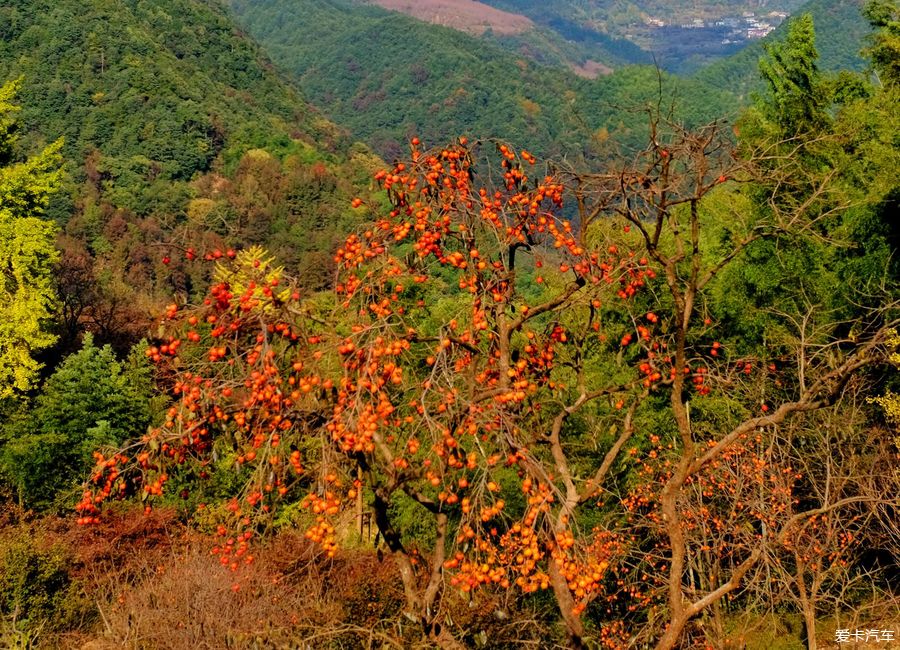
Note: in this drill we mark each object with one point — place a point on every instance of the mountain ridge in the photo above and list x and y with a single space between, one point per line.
388 77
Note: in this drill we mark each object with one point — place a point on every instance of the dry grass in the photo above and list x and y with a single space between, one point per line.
591 69
465 15
149 582
290 597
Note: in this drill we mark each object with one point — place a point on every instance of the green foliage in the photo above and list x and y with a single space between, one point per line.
27 253
841 30
890 401
36 590
181 131
833 155
160 102
91 401
885 48
150 96
789 70
158 88
387 77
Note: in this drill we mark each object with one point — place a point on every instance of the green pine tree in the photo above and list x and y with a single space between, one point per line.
90 402
796 101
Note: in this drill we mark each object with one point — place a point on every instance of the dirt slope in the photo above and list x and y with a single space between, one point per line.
465 15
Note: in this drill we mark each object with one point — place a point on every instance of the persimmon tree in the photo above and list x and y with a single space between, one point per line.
503 346
845 475
804 497
665 196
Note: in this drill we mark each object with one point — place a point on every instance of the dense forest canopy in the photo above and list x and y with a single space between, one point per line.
388 77
372 333
177 132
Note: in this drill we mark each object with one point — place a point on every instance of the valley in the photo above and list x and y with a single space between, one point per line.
388 77
593 38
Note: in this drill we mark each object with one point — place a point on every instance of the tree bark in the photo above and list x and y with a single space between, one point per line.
574 626
809 609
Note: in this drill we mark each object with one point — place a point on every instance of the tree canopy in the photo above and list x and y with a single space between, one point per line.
27 251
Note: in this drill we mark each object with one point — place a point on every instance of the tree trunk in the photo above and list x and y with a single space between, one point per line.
574 626
414 602
672 634
809 623
809 609
359 504
718 621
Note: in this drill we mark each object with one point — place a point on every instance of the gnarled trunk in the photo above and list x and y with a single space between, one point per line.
573 623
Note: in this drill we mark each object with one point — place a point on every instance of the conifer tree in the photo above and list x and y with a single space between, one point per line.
796 102
92 400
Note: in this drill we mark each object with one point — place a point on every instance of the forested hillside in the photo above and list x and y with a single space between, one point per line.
573 364
594 37
158 104
552 35
388 77
157 88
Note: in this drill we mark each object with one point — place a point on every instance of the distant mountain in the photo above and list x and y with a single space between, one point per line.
841 31
594 37
386 77
640 31
545 32
617 15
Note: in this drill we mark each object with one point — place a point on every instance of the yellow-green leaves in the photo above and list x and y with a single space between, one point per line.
251 266
27 252
890 401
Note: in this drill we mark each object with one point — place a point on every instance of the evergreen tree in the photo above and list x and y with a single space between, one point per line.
91 401
885 49
831 153
796 102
